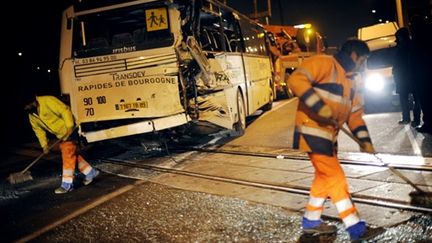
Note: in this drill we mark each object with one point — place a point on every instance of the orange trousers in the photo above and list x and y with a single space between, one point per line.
330 181
70 157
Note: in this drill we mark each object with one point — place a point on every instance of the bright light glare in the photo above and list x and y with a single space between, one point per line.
374 82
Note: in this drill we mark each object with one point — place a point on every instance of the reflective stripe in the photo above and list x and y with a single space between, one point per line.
67 179
362 134
315 132
333 97
313 215
316 201
306 73
351 220
343 205
87 170
68 172
356 108
312 100
333 75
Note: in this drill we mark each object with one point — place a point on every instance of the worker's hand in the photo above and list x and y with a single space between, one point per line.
367 148
45 150
325 112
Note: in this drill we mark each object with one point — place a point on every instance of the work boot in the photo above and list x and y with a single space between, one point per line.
317 227
360 232
415 123
89 178
64 188
403 122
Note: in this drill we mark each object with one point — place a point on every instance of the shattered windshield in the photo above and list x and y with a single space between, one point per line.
122 30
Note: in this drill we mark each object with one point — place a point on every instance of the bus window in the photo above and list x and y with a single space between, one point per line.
253 38
121 30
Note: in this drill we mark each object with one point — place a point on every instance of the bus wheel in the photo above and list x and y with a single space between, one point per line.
240 125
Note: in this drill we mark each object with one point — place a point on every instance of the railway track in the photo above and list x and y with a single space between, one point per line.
298 190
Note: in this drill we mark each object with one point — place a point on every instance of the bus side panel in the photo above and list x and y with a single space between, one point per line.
258 76
232 65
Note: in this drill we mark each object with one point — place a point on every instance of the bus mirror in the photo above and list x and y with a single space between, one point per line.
69 23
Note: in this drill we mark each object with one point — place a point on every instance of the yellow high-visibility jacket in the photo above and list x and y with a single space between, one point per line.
322 80
53 116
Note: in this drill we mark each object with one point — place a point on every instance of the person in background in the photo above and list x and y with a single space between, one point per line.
47 114
420 63
328 100
402 76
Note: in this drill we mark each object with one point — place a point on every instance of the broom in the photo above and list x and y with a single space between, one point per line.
419 196
25 175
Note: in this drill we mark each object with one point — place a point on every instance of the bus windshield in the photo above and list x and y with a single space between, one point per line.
121 30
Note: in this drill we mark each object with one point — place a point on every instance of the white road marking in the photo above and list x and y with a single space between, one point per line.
413 141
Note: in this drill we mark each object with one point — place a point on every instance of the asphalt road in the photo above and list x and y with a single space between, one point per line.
121 209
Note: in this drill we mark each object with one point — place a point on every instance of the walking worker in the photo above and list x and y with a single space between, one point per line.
49 114
328 100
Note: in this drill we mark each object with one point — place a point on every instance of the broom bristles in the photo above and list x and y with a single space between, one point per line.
19 177
421 198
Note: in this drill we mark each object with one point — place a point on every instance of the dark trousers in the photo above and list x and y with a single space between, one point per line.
405 106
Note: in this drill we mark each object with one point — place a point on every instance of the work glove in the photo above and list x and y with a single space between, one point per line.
325 112
367 148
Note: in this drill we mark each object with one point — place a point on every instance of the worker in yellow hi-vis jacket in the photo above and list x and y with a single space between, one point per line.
328 100
49 114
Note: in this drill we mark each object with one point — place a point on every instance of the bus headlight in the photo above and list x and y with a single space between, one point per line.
374 82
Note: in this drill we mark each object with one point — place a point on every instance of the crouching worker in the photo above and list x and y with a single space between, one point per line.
49 114
328 100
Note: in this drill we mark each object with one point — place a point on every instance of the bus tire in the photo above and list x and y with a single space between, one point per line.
240 125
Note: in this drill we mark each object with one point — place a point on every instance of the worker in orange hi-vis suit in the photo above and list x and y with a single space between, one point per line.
49 114
328 100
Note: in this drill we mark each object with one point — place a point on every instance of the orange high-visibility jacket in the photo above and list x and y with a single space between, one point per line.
322 80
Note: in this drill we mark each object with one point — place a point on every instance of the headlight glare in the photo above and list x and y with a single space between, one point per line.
374 82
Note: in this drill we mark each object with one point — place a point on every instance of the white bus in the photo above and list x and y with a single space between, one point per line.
133 67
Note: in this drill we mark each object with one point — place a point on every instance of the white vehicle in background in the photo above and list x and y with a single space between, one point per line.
377 78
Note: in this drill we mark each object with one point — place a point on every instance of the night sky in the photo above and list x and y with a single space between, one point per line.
35 31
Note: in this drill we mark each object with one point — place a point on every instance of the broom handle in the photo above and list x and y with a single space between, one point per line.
49 148
40 156
393 170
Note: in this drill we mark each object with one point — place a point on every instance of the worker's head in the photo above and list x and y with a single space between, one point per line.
31 104
402 35
357 50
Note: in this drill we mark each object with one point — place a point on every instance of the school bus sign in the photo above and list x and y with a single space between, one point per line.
156 19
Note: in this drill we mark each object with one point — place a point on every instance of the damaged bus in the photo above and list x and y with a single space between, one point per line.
134 67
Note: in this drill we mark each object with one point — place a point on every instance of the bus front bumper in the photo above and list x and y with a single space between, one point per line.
137 128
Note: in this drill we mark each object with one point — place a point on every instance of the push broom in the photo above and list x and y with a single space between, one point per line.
25 175
419 196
